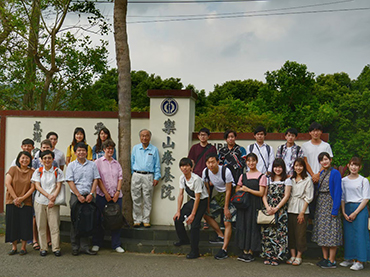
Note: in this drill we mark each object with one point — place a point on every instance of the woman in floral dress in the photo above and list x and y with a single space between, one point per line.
275 237
327 230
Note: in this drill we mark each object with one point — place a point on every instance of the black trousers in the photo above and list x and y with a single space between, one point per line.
195 226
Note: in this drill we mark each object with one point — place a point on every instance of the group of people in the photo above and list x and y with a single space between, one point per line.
293 187
35 191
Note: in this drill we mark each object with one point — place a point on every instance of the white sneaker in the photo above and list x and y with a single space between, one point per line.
95 248
119 249
357 266
346 263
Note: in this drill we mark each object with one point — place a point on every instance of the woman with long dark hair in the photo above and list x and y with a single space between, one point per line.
97 150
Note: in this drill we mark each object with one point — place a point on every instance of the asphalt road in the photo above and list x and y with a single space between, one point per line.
108 263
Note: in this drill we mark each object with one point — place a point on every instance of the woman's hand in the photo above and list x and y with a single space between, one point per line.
115 197
300 218
352 216
107 197
17 201
51 197
51 204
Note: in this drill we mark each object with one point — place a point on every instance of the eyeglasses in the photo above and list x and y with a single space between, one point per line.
47 158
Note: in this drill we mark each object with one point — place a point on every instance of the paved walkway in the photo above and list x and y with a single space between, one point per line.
111 264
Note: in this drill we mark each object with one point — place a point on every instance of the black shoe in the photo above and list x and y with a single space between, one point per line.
12 252
58 253
75 252
246 258
89 252
192 255
43 253
222 254
179 243
322 262
217 240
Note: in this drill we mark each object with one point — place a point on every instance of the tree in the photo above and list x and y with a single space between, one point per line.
245 90
42 61
124 102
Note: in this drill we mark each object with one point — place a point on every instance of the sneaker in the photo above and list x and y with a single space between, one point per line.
246 258
322 262
222 254
346 263
329 264
357 266
95 248
192 255
217 240
119 249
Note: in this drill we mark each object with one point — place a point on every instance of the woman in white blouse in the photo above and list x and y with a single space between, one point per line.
48 181
355 196
298 211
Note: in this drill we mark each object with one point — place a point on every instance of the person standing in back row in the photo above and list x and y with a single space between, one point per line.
199 151
263 151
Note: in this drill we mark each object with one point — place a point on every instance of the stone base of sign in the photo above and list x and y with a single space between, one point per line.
160 238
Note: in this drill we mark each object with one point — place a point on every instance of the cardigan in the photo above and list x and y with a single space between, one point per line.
335 187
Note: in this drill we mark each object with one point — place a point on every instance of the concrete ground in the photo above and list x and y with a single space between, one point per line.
108 263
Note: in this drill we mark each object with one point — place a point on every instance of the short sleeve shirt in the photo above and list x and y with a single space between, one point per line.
195 184
216 179
47 181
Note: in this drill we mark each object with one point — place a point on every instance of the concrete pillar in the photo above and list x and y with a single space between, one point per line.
172 117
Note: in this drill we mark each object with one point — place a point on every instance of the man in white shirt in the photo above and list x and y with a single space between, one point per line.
193 210
313 148
264 152
221 178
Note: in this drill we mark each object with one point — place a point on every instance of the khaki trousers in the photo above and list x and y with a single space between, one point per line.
141 192
47 216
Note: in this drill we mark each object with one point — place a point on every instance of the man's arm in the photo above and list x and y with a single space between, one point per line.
195 208
157 168
90 197
180 198
75 191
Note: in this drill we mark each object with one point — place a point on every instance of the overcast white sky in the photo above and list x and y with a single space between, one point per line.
212 51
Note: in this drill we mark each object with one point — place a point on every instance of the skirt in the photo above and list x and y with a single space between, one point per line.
356 235
18 223
327 230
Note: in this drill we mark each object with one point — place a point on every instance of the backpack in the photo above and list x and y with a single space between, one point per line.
83 216
61 197
112 216
223 174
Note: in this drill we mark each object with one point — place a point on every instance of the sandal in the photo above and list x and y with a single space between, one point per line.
274 263
291 260
297 261
267 262
36 246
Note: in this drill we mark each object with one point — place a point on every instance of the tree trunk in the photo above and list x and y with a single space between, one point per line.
28 99
124 102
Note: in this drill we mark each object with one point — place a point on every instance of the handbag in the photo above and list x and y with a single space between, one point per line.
265 219
61 197
240 200
112 216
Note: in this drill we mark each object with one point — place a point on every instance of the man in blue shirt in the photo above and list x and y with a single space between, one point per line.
82 177
146 172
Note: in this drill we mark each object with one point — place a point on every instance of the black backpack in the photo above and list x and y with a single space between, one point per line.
112 216
83 216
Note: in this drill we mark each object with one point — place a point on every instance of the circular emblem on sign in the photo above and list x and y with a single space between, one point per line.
169 106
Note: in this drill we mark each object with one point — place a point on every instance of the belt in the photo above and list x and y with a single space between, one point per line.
143 172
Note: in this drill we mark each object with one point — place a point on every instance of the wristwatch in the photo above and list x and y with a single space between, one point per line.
92 194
